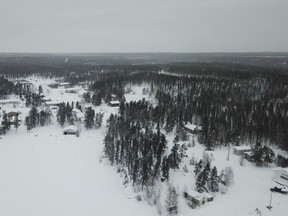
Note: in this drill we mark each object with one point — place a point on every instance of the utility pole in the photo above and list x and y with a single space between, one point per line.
270 206
228 152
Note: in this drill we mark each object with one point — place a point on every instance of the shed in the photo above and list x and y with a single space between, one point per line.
240 150
71 129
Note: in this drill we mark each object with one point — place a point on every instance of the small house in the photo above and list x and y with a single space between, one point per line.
114 103
240 150
192 128
195 199
71 129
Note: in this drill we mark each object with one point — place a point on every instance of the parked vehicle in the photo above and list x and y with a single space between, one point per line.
278 189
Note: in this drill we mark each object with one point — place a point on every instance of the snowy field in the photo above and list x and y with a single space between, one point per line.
44 173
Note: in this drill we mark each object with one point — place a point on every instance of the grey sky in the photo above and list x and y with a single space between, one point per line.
143 25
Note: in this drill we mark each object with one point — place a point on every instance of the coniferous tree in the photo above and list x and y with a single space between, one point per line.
174 157
268 155
182 151
40 90
257 154
89 118
5 124
42 117
68 114
199 182
96 99
33 117
61 114
87 97
198 167
28 123
165 167
202 178
98 119
214 180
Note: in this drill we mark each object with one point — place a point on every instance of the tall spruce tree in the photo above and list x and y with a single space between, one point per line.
5 124
257 154
268 155
198 167
98 119
214 180
89 118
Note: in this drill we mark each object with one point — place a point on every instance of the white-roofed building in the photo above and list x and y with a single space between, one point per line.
114 103
240 150
71 129
192 128
195 199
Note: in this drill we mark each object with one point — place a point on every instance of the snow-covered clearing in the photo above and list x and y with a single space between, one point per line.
46 173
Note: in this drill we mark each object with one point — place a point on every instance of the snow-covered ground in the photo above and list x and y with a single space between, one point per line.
44 172
47 173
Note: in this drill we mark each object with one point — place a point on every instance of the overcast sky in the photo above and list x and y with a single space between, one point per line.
143 25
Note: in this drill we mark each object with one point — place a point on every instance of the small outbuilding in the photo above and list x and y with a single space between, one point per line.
71 129
240 150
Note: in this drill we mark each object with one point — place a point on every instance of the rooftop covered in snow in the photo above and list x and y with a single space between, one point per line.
192 127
